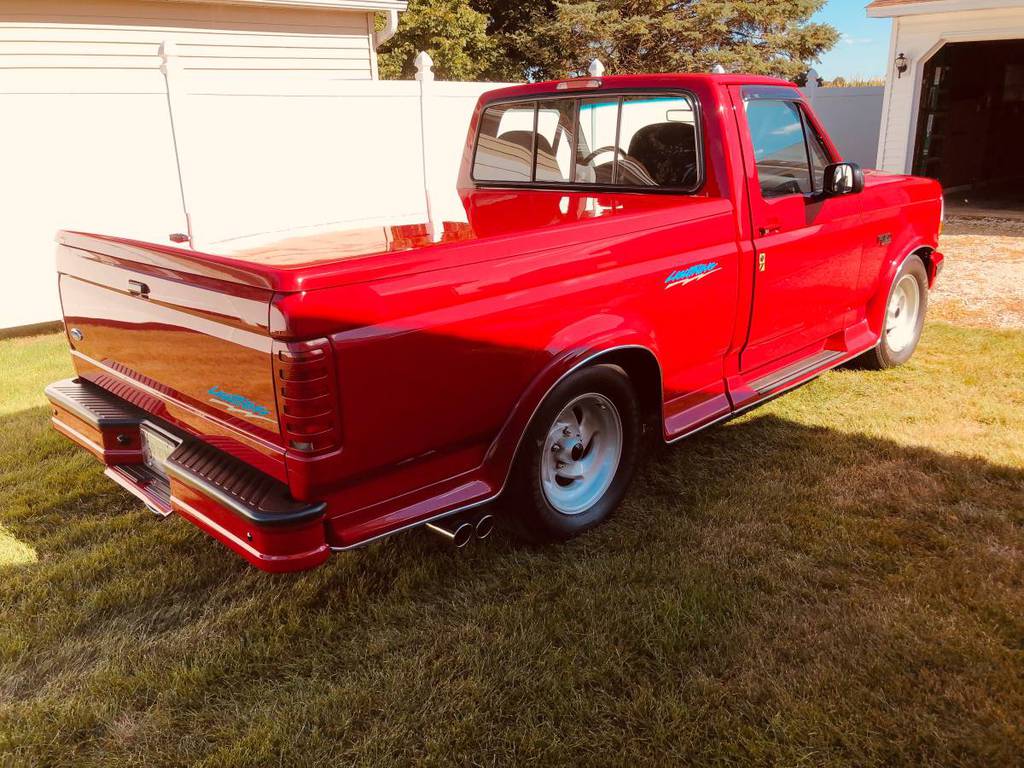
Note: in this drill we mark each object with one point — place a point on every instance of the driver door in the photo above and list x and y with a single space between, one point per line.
808 245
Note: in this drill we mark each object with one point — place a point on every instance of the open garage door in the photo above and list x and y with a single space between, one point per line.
971 122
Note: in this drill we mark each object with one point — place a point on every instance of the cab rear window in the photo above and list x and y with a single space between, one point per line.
504 150
621 141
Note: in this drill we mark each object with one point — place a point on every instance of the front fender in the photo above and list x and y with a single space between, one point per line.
890 267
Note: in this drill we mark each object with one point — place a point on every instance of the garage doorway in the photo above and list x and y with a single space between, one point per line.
971 123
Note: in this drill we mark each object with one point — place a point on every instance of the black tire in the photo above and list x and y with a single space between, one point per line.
883 355
527 504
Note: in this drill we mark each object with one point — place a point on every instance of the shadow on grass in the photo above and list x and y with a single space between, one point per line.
764 470
769 590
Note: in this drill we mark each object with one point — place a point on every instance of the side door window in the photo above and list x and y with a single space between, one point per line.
819 154
780 151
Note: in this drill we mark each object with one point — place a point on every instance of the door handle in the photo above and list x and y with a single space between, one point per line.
136 288
771 229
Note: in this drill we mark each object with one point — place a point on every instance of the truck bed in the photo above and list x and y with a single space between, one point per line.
340 256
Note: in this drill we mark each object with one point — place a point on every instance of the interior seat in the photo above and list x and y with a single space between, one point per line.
524 139
668 152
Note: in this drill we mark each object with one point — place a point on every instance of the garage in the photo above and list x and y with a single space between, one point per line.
970 122
954 99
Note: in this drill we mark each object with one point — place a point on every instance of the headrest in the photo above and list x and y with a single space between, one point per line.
672 135
668 152
524 139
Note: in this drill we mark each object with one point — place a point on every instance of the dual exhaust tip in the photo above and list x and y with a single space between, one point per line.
460 531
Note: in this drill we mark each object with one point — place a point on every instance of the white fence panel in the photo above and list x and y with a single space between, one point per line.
852 117
258 160
253 156
97 158
449 113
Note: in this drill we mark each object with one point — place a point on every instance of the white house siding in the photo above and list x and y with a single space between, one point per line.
919 37
57 36
86 139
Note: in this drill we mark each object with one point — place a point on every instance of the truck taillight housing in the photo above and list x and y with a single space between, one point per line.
307 395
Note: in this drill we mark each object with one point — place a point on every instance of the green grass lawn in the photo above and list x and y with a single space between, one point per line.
837 578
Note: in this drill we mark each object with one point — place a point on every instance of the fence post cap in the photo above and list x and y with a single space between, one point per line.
424 66
170 58
596 68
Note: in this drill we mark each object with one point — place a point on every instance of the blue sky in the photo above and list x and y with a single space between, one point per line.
864 47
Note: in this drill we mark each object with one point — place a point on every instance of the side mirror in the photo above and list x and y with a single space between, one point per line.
843 179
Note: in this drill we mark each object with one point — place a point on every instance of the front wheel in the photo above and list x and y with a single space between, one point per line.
904 317
578 456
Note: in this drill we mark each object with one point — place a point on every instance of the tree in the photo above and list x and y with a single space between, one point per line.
510 21
772 37
451 31
537 39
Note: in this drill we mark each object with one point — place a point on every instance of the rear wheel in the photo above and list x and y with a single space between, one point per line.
904 317
578 456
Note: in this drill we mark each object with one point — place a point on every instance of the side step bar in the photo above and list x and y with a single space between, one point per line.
794 372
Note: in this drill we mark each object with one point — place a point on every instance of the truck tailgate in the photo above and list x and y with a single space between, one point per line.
186 344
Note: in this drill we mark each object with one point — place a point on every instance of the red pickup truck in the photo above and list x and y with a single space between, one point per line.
639 254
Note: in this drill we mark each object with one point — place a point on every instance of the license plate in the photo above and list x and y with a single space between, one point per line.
157 445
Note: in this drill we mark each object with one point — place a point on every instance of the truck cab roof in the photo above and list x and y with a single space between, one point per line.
619 82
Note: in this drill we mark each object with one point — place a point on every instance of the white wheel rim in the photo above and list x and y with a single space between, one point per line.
902 313
581 454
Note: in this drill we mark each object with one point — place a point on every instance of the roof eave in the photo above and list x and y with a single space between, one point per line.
934 6
365 6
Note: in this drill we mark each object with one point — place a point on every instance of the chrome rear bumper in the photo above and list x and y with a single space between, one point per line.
248 510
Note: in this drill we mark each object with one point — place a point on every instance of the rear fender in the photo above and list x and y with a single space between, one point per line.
502 452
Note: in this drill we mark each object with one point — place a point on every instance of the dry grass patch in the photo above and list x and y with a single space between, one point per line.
983 283
832 580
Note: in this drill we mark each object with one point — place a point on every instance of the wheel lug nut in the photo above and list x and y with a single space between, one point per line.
556 448
567 432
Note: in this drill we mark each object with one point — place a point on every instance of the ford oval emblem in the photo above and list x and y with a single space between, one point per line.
76 334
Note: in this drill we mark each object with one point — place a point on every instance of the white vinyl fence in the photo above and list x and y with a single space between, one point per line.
167 150
852 117
224 154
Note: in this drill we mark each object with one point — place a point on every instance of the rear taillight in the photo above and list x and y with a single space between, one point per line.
307 395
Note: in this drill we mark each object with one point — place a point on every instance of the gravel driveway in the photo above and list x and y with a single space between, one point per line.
982 283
